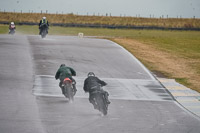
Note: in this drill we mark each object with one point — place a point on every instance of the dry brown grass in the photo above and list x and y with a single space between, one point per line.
162 61
102 20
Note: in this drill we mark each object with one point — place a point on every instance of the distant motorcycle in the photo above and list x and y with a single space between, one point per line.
43 30
12 30
100 101
68 89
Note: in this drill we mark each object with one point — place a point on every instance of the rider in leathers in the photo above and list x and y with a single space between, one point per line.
42 22
65 72
93 83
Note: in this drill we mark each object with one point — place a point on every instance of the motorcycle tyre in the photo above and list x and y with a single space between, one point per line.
69 93
102 105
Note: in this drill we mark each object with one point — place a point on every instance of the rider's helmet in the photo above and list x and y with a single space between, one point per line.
44 18
12 23
62 65
91 74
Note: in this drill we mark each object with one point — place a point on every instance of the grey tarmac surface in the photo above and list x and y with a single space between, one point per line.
31 101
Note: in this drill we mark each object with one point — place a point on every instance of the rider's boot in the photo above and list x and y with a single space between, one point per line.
95 106
60 84
93 102
106 97
74 86
63 91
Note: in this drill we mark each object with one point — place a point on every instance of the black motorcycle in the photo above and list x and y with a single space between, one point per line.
68 89
43 30
100 101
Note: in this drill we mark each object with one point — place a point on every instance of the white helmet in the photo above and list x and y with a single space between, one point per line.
12 23
43 17
91 74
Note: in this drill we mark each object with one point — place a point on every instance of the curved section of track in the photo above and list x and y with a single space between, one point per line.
138 102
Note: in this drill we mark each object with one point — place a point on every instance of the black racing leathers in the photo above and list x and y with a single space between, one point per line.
92 84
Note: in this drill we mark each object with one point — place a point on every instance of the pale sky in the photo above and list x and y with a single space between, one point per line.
142 8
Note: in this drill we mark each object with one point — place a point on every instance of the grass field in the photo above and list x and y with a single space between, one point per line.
3 29
173 54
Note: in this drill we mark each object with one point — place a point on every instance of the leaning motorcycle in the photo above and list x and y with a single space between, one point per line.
44 30
68 89
100 101
12 30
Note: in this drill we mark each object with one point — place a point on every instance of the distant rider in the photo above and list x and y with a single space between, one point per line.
12 26
43 22
92 84
65 72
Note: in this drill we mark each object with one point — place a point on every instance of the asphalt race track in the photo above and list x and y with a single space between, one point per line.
31 101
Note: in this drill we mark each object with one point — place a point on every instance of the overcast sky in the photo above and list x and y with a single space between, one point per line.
142 8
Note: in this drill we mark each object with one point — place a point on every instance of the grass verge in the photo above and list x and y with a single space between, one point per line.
3 29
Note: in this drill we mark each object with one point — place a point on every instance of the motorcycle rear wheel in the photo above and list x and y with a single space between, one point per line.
69 93
102 105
